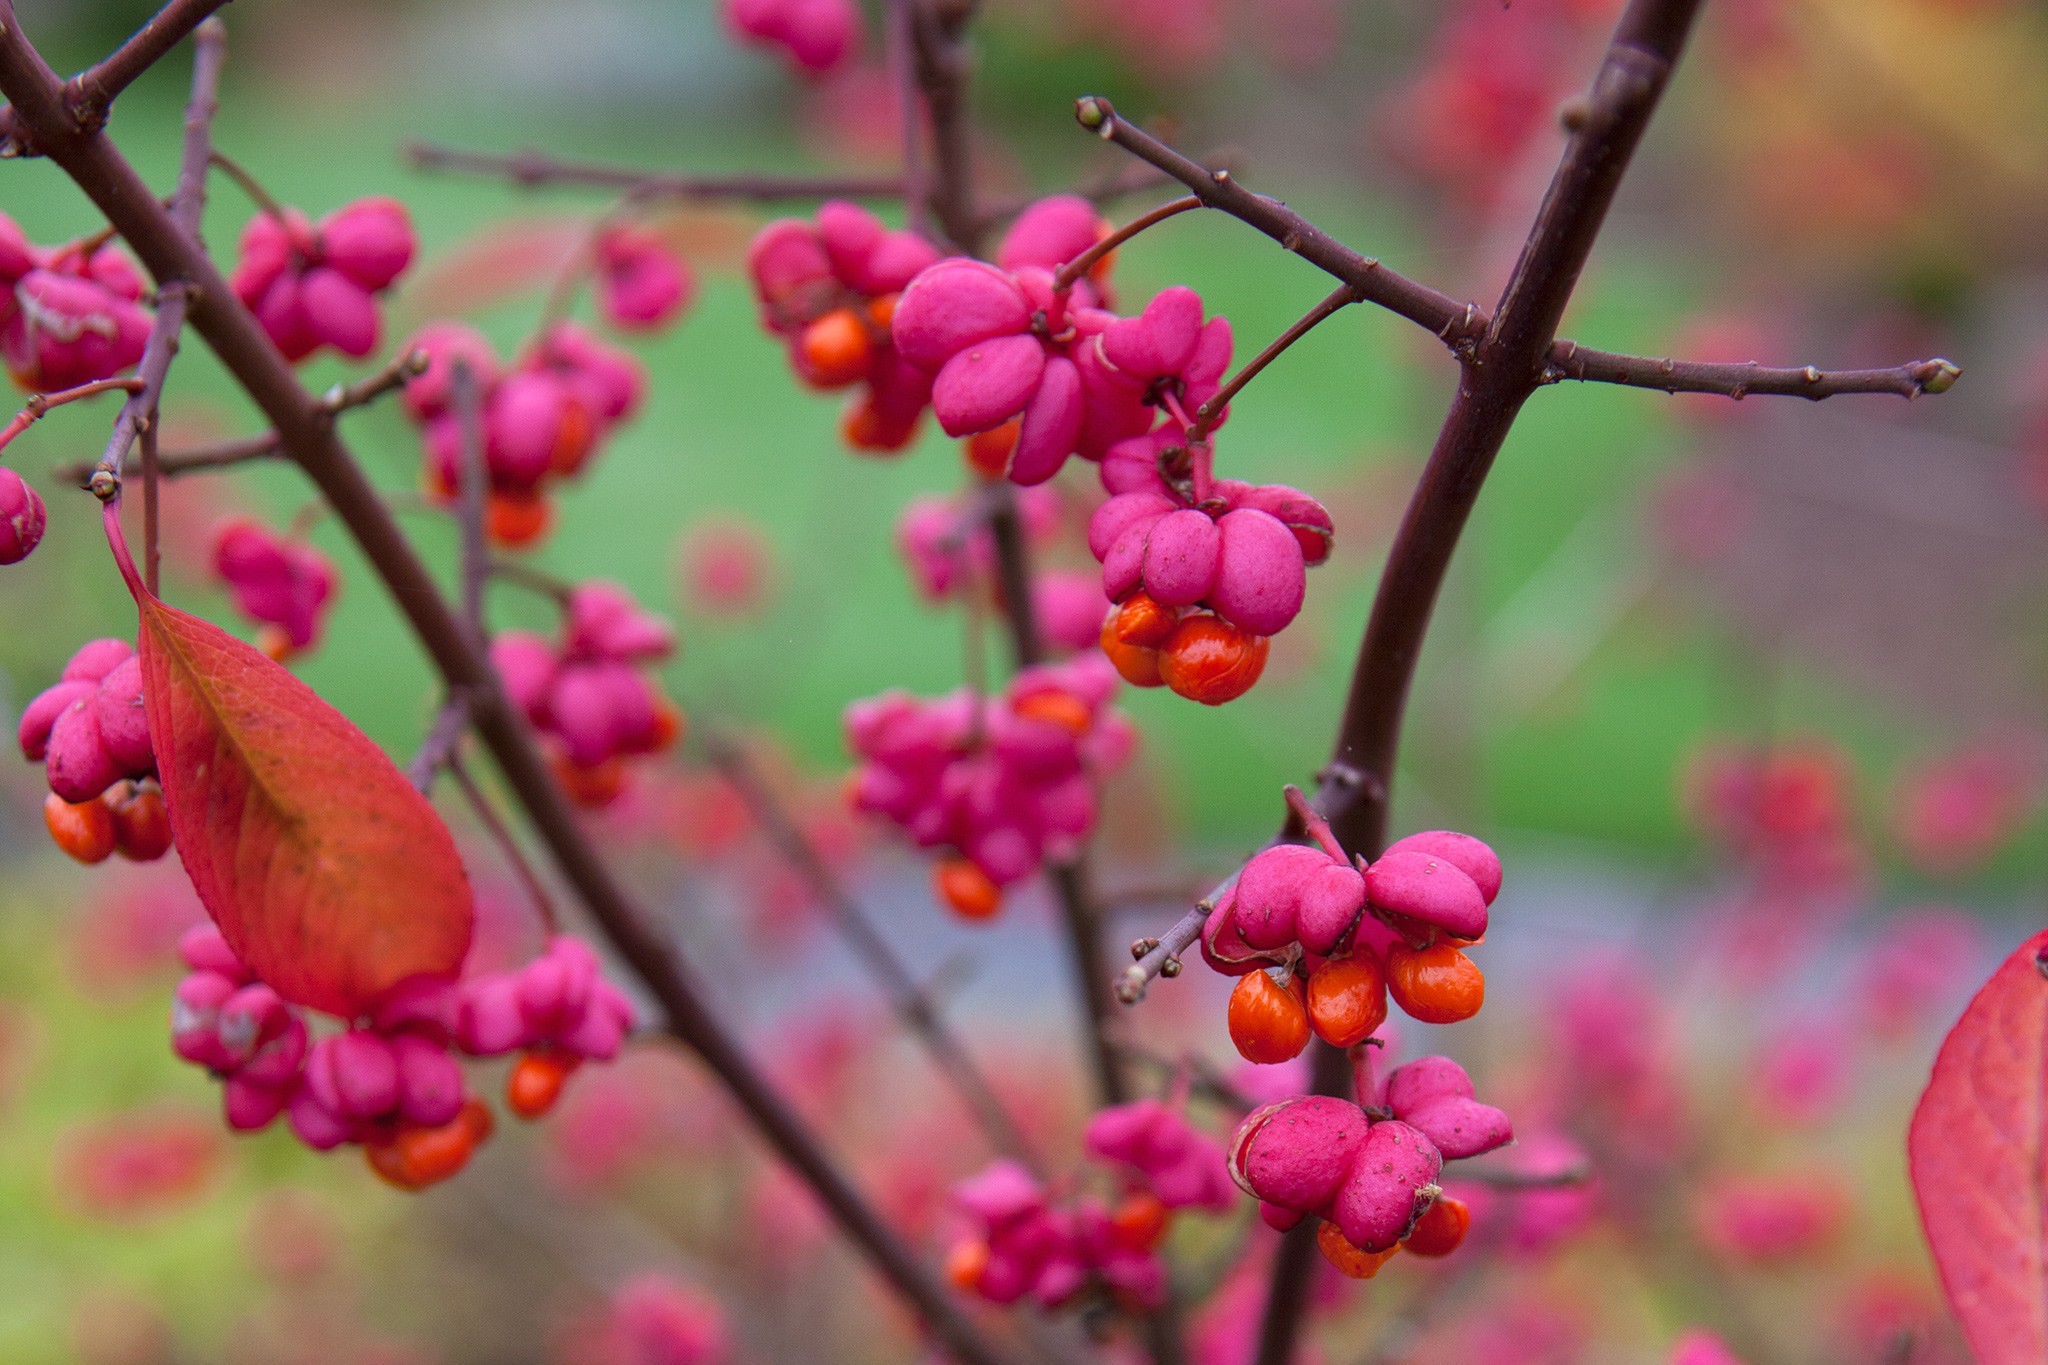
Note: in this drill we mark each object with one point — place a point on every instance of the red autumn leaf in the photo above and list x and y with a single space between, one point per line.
1978 1150
329 874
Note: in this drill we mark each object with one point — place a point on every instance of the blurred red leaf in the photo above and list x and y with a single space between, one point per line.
1978 1150
330 875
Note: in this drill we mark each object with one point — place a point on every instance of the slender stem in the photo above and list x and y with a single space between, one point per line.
901 19
1162 956
307 432
1569 360
1211 411
39 403
469 416
90 94
152 544
532 579
171 464
1461 325
1457 323
1503 369
942 66
249 184
910 1001
174 295
444 736
1083 263
487 816
533 169
389 377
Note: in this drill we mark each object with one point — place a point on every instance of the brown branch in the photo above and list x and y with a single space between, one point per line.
533 169
173 295
1162 956
1504 367
307 433
444 736
1569 360
242 450
1457 323
88 96
487 816
942 61
1460 325
912 1003
474 492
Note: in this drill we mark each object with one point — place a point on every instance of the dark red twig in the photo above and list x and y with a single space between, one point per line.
1460 325
1502 368
533 170
89 96
913 1003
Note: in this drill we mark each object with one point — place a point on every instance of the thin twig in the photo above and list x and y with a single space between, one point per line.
1502 369
173 296
1569 360
245 449
487 816
444 737
90 94
1083 263
533 169
1207 415
249 184
910 1001
901 19
308 433
152 543
532 579
1461 325
475 478
38 404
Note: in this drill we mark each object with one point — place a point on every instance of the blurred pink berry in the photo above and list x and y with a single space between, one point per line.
275 581
22 518
642 285
313 285
815 36
70 316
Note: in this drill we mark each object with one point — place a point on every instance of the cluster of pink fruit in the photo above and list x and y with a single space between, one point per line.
1008 345
1020 1243
1369 1169
828 287
1204 571
816 36
91 735
1006 782
284 585
392 1084
947 544
590 694
72 313
315 284
543 416
1320 940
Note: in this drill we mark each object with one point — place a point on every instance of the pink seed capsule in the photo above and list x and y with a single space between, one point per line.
1268 900
279 1061
249 1104
318 1126
986 384
429 1081
204 949
1332 901
1298 1153
363 1074
1260 575
1379 1199
22 518
1460 1127
1424 1081
1181 558
1471 856
195 1019
1428 889
956 304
